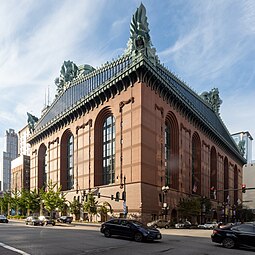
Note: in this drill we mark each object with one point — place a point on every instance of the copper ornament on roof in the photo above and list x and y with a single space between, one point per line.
140 41
213 98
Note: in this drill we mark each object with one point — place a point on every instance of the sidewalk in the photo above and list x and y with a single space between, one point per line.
74 223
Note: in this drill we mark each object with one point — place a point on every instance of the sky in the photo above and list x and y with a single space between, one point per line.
207 43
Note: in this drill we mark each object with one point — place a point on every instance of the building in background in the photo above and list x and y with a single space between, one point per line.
23 147
244 142
20 173
249 181
20 166
11 145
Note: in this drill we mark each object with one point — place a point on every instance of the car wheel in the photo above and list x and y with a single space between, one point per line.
166 226
138 237
53 223
107 233
228 243
34 223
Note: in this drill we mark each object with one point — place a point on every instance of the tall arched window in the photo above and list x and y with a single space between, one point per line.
235 185
109 150
213 173
42 167
67 160
196 164
167 154
70 163
226 177
171 151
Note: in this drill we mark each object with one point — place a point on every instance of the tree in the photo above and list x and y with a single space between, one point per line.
5 203
75 208
189 207
52 199
90 206
104 209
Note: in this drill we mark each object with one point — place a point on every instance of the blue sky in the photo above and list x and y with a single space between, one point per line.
206 43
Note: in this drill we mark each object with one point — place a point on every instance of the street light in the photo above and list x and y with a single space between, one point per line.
164 201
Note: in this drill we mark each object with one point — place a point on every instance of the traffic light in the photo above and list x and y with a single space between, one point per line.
112 197
243 188
98 195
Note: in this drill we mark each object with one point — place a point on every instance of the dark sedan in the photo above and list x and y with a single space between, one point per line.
3 219
235 236
129 228
65 219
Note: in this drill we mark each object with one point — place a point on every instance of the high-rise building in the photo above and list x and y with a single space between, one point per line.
11 144
249 182
20 166
244 142
23 147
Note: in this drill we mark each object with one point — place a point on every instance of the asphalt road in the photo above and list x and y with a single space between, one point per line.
81 240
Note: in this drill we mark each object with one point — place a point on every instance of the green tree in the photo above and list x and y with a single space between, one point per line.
15 201
244 214
189 207
5 203
90 206
75 208
52 198
104 209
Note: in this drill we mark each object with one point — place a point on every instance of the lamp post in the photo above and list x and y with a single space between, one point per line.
164 201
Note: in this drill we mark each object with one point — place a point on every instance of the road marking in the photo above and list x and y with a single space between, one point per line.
13 249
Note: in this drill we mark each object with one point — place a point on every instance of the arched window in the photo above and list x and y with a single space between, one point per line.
235 185
67 161
42 167
213 173
167 154
196 164
70 163
109 150
171 151
226 177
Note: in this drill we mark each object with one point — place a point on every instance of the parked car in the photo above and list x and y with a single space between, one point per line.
65 219
46 220
235 236
3 219
161 223
185 224
129 228
208 225
33 220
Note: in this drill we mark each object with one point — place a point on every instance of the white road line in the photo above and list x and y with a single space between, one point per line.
13 249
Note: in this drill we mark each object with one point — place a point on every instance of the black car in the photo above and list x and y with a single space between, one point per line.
3 219
129 228
235 235
65 219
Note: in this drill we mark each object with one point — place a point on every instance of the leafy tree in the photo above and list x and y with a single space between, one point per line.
189 207
52 199
29 201
75 208
104 209
5 202
244 214
15 201
90 206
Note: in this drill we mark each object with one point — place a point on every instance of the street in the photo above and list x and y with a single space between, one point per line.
77 240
